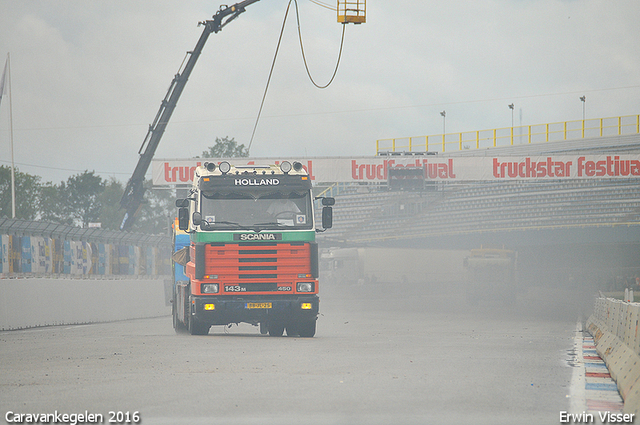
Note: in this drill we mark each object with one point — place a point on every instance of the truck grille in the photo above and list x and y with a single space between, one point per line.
254 265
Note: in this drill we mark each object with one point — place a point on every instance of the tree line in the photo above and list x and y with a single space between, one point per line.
88 198
82 199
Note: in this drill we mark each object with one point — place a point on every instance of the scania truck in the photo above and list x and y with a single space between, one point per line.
252 255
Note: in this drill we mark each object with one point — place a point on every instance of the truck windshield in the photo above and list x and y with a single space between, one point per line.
256 210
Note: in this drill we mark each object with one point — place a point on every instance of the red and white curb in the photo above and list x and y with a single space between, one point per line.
593 392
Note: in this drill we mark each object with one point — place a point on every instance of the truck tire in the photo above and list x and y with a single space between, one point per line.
292 329
197 328
307 329
178 326
264 328
276 329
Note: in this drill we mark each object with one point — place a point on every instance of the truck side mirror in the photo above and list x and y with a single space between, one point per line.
182 203
327 217
196 218
328 202
183 218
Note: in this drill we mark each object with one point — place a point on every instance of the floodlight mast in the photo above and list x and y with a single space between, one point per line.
134 191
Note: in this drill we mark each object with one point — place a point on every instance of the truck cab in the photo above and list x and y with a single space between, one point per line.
252 255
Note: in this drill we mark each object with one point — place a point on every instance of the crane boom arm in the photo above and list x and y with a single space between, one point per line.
134 191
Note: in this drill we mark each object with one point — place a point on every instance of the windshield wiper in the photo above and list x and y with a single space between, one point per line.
227 222
257 225
232 223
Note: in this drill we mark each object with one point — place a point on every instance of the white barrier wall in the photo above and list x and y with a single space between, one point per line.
614 326
31 302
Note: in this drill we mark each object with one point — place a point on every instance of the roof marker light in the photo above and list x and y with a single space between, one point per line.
285 166
224 167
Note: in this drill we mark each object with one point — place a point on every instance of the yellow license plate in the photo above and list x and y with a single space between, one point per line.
259 305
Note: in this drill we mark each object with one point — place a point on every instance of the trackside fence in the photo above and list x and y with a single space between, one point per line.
509 136
36 248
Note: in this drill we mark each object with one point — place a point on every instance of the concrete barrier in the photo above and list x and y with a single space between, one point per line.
614 327
32 302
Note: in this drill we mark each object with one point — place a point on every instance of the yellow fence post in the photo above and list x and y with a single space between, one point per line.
377 147
529 134
393 145
547 132
477 139
460 148
583 129
601 126
426 143
619 126
443 143
410 147
565 130
511 136
494 137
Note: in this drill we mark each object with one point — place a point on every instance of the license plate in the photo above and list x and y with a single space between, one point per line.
258 305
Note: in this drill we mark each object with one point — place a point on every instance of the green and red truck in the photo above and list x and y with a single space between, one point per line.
252 252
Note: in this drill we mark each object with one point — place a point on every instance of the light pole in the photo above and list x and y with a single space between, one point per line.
511 107
444 119
583 99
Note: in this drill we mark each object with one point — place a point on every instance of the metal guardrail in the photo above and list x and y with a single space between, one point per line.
20 227
537 133
45 249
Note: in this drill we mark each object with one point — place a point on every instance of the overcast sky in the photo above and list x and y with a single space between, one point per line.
88 76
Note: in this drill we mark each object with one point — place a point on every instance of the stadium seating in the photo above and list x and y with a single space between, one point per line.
457 208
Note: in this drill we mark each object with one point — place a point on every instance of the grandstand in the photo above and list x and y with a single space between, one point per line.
371 214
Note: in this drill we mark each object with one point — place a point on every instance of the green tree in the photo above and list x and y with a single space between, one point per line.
81 197
51 203
226 148
156 212
27 194
111 214
84 198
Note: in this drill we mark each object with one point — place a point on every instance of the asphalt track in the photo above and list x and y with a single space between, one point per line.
379 357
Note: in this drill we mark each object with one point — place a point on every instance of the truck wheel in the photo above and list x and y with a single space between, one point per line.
178 326
264 329
197 328
276 329
307 329
292 329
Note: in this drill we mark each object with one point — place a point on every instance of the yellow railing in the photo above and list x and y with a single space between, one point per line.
509 136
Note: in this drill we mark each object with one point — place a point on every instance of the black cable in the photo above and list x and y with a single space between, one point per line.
269 79
321 4
335 71
273 63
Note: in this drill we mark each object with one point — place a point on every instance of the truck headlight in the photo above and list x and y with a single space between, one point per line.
210 288
285 166
305 286
224 167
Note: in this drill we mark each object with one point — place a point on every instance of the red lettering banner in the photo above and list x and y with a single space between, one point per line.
437 168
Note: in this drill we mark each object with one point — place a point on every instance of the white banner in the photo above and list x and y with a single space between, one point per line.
374 169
